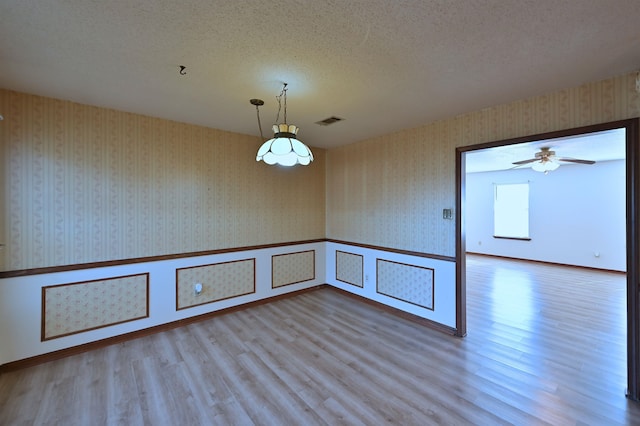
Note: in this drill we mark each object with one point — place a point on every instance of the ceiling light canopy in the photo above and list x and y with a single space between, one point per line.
284 148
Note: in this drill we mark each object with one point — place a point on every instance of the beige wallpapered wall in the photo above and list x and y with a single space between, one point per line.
85 184
390 191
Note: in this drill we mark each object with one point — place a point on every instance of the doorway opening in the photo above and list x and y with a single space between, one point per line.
632 197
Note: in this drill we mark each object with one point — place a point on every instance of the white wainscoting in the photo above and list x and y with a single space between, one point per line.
21 297
444 281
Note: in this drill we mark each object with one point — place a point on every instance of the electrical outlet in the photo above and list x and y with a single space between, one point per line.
447 214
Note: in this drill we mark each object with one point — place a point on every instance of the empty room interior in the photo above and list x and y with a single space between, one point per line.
295 212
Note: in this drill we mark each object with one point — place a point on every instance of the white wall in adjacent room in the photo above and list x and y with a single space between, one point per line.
577 215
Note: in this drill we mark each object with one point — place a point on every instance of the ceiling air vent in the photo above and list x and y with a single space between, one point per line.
329 120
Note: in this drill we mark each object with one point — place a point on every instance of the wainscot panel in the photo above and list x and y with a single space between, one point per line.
409 283
202 284
292 268
415 283
76 307
23 298
350 268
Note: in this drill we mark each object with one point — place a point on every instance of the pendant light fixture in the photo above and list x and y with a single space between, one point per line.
284 148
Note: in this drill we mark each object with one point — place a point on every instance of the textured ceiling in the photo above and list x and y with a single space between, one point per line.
382 65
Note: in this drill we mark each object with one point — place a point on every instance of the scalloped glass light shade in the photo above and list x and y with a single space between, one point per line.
284 148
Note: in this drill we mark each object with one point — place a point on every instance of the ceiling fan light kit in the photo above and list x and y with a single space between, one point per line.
284 148
545 161
545 166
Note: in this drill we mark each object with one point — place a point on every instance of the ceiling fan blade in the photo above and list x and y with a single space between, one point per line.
575 160
519 163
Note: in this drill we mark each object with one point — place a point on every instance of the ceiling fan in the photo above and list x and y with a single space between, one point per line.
545 161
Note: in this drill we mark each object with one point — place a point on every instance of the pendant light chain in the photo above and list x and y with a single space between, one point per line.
279 99
284 89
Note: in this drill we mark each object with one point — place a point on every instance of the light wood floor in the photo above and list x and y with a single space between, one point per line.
546 345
